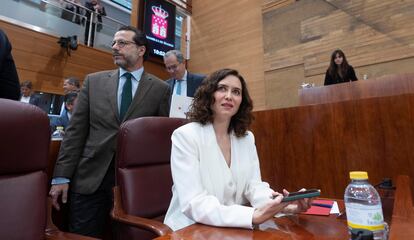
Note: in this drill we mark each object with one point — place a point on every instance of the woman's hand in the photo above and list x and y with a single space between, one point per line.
267 211
297 206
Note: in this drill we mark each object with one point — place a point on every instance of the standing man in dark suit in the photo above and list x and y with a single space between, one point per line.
96 7
86 157
63 119
9 80
70 84
181 82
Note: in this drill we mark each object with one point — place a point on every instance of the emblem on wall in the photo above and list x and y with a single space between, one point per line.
159 24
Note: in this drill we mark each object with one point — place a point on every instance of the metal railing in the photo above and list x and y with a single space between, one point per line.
62 18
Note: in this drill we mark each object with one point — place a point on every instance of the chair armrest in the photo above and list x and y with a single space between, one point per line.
59 235
118 214
53 233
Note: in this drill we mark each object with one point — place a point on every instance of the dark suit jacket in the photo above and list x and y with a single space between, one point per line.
9 80
62 120
102 12
350 76
193 82
34 100
90 139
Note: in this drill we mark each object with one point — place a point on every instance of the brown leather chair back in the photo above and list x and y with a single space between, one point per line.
24 146
143 168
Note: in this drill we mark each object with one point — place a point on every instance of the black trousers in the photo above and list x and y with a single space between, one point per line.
87 33
89 213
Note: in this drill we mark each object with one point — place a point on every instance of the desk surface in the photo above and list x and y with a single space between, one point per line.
310 226
290 227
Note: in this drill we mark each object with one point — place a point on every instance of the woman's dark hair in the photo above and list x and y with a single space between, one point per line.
200 110
27 84
338 71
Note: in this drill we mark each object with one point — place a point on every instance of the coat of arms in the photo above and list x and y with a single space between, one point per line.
159 24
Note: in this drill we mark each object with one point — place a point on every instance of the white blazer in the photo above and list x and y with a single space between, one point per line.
205 189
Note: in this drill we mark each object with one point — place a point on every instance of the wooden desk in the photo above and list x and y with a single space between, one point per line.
402 224
290 227
310 227
390 85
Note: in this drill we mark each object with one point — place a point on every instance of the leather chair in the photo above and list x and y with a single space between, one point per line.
24 146
144 179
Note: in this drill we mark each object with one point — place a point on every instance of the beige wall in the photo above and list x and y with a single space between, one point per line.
228 34
278 44
376 36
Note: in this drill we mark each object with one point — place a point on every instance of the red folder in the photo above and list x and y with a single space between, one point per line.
320 207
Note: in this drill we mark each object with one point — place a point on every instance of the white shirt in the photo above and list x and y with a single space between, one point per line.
25 99
205 189
136 77
183 85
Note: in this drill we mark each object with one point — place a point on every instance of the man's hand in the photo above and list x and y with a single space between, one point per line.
55 191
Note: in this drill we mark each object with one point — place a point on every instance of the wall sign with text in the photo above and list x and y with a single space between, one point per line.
159 26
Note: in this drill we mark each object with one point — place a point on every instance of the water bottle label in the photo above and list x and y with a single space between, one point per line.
363 216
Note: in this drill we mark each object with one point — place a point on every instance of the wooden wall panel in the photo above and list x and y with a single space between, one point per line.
316 146
389 85
228 34
269 5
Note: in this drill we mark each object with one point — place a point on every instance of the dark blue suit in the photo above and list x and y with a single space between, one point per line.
62 120
34 100
193 82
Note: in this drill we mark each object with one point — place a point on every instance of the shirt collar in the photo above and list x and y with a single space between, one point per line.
137 73
185 76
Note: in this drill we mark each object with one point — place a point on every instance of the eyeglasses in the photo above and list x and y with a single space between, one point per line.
121 43
172 67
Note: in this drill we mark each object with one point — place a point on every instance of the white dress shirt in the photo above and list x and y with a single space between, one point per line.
25 99
205 189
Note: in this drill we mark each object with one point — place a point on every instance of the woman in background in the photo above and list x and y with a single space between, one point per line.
214 163
339 70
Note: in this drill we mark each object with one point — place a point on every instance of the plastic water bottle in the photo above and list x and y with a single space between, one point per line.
363 206
58 133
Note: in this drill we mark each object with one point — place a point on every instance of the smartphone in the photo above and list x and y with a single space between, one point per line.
304 194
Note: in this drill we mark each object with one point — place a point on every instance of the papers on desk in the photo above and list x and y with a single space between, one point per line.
323 207
319 207
335 208
180 105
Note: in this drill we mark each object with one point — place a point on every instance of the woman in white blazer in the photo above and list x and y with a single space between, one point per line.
214 163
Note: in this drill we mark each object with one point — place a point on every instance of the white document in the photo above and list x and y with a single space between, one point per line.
335 208
180 105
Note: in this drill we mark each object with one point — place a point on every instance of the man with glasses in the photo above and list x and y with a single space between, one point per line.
87 155
181 82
